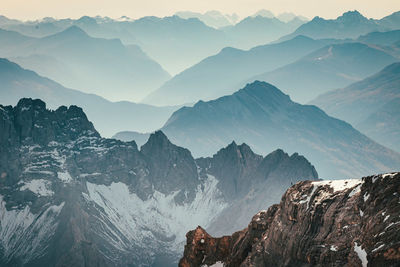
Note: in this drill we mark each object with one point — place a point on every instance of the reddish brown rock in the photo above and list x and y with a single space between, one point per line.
325 223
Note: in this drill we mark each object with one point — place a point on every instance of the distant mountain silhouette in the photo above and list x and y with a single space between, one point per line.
328 68
264 118
380 38
349 25
73 58
371 105
211 18
108 117
127 136
225 72
259 30
176 42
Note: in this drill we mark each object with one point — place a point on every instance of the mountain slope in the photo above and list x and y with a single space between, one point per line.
218 75
326 223
108 117
259 30
101 66
83 200
264 118
380 38
328 68
371 105
172 40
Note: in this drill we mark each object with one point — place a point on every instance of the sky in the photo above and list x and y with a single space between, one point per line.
36 9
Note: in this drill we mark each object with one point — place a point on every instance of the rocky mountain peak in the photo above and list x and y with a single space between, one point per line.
157 140
30 122
263 92
171 166
352 16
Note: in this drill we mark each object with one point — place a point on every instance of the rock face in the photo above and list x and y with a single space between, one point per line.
325 223
71 198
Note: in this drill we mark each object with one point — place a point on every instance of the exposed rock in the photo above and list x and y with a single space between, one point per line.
326 223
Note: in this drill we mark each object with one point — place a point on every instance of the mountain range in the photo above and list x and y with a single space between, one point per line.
259 30
331 67
371 105
227 71
351 24
93 65
263 117
211 18
109 117
217 20
69 197
174 42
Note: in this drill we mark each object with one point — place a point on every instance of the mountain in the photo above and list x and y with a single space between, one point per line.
250 182
259 30
108 117
325 223
288 16
174 42
264 13
380 38
349 25
392 21
333 66
128 136
263 117
6 21
83 200
371 105
100 66
211 18
218 75
171 41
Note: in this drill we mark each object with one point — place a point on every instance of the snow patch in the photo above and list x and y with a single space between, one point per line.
138 220
217 264
339 185
38 186
333 248
361 254
25 235
307 200
378 248
356 190
388 175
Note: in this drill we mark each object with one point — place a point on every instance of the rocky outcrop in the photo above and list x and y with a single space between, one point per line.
325 223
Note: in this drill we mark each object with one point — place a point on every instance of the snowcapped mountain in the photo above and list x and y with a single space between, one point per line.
69 197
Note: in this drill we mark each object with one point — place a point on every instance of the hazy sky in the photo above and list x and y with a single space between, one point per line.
34 9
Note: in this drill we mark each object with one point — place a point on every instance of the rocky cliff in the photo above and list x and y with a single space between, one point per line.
324 223
69 197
